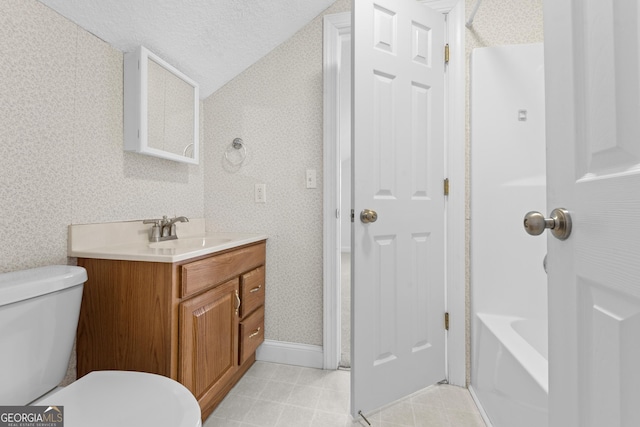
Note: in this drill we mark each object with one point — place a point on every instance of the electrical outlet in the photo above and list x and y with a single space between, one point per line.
261 193
311 178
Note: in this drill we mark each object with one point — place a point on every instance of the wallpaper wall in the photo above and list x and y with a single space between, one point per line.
497 22
61 156
275 106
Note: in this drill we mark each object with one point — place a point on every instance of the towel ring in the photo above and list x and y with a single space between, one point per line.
237 144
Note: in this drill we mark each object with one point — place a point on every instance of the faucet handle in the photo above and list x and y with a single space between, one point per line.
155 232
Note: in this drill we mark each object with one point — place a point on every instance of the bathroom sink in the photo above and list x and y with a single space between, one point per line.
190 243
129 241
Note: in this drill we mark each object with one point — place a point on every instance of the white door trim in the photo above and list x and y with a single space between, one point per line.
335 26
455 168
455 240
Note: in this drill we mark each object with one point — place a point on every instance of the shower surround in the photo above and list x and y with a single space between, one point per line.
509 371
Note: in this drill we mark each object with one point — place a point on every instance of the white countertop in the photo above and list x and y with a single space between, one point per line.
129 241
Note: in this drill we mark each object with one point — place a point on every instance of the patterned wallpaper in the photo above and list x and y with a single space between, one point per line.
61 155
275 106
497 22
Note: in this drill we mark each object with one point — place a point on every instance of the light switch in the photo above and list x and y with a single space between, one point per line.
311 178
261 193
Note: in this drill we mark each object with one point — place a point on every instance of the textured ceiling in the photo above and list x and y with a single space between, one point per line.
211 41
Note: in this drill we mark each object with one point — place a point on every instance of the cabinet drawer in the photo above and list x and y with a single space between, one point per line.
251 334
252 290
205 273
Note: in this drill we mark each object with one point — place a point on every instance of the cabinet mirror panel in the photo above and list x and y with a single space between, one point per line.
161 109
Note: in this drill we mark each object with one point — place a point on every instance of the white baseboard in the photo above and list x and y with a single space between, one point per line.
310 356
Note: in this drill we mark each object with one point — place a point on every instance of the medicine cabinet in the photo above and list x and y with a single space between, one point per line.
160 108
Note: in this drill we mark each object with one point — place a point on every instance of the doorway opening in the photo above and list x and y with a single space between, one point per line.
337 27
337 191
344 142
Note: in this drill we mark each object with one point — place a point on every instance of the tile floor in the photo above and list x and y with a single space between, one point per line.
290 396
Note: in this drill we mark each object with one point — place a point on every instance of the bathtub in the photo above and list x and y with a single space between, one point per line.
510 380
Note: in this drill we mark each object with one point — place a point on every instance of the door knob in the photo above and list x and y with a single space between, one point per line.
559 222
368 216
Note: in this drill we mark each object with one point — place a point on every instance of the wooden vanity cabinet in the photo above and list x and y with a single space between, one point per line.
197 321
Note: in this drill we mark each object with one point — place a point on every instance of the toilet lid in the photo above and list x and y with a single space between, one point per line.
126 399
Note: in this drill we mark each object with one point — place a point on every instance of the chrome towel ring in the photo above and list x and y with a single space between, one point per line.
236 153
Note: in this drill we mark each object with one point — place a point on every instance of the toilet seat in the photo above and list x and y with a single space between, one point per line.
126 399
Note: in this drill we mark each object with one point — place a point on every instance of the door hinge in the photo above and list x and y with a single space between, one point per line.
446 186
446 53
352 215
446 321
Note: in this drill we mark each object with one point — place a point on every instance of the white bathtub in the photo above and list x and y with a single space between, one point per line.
511 377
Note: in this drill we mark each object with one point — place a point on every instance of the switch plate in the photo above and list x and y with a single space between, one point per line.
261 193
311 178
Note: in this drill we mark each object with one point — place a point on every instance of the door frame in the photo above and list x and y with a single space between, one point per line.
335 26
455 276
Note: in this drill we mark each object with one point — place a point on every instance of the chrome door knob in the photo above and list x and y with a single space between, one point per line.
559 223
367 216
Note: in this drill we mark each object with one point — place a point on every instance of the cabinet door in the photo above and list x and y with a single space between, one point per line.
209 339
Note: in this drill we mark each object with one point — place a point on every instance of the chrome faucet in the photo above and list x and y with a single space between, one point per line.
169 226
164 229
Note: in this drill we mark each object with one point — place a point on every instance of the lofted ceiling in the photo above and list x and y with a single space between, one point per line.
211 41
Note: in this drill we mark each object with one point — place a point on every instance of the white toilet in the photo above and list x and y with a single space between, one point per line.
39 311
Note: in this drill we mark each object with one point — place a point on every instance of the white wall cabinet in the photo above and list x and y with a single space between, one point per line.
161 108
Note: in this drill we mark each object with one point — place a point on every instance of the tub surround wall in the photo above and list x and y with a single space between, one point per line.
61 144
509 285
508 180
276 107
497 22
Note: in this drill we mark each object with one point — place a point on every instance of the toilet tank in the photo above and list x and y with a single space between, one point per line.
39 311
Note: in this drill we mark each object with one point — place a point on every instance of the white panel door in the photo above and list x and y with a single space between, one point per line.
398 170
593 159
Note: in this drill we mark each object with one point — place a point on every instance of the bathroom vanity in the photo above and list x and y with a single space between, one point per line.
197 320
